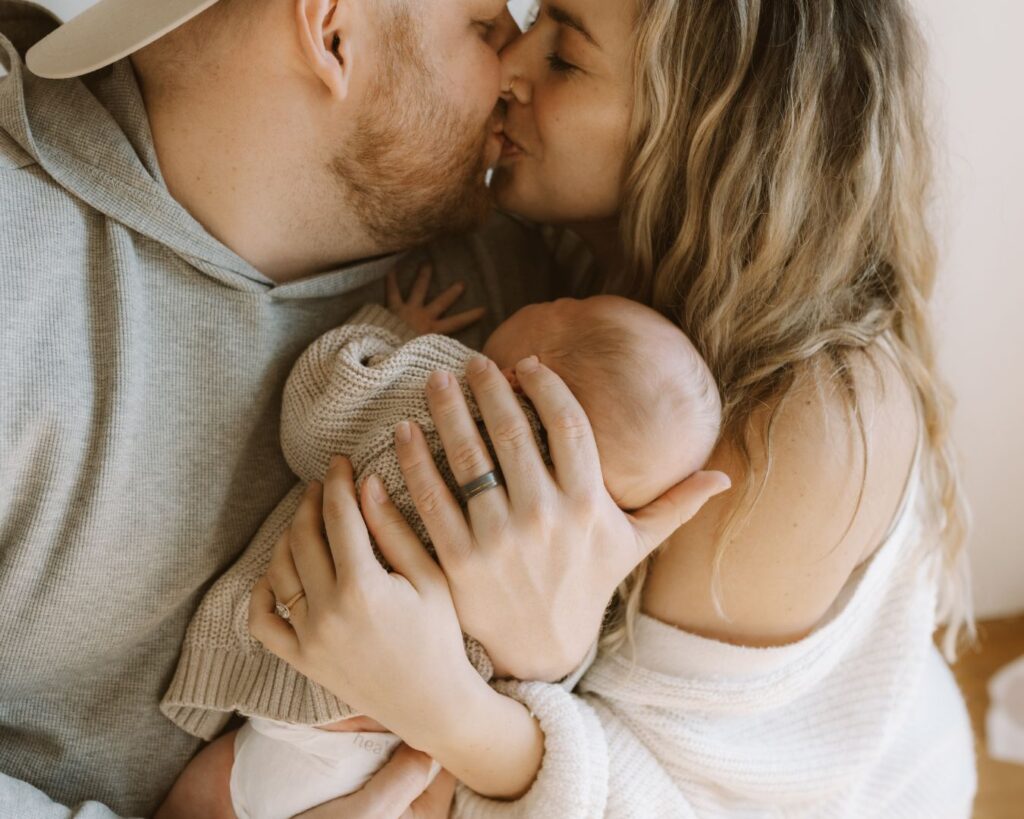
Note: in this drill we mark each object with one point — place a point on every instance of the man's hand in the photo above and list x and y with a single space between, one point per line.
427 318
396 791
534 566
401 789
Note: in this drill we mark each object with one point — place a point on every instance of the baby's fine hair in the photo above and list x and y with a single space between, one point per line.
636 379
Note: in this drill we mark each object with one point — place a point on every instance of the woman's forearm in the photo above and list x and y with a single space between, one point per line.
493 744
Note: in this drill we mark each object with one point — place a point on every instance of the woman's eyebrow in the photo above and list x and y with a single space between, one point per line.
565 18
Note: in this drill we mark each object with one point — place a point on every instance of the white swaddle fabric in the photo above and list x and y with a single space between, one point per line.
281 769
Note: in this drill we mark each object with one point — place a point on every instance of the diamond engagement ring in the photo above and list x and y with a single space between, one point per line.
284 610
481 484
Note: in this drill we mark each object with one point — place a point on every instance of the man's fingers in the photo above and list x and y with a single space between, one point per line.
436 801
395 538
441 514
657 521
464 448
390 791
526 476
401 781
570 436
453 324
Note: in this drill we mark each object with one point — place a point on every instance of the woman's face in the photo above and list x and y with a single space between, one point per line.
569 94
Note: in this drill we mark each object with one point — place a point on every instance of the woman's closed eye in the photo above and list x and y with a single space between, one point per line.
559 65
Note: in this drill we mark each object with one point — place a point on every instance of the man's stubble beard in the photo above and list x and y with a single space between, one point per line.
414 168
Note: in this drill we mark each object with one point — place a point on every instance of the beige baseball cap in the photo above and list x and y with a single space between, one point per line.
105 32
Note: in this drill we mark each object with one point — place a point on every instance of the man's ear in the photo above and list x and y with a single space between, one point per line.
325 41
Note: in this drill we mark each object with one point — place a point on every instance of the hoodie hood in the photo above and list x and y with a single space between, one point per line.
91 135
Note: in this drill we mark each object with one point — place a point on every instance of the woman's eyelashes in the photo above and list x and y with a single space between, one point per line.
559 65
554 60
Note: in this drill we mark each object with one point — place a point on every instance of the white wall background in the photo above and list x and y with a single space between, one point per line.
978 67
520 9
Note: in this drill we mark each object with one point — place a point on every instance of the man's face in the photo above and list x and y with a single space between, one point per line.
425 135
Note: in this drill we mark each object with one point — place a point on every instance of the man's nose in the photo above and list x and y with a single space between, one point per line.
505 30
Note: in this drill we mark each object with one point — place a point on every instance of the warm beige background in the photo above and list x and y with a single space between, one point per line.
978 68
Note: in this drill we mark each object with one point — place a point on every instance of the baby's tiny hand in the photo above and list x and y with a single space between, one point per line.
426 318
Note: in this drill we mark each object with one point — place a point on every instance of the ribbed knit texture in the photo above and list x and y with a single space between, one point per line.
345 395
859 719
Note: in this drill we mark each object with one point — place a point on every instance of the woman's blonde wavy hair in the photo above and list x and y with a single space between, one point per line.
775 207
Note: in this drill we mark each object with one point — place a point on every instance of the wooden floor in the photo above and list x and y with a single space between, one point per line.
1000 784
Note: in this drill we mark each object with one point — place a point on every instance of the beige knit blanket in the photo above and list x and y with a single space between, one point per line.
345 395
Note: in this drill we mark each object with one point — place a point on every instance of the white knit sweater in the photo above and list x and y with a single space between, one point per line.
861 718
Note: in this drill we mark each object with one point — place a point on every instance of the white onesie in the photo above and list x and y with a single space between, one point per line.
281 769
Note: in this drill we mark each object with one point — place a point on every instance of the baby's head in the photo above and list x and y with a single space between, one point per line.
651 399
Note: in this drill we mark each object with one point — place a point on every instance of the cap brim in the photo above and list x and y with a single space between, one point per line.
106 32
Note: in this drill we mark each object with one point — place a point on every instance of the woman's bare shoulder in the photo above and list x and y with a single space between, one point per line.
786 564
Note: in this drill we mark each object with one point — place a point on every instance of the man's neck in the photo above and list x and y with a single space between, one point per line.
237 170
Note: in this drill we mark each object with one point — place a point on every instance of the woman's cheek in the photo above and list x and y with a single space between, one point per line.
584 154
609 144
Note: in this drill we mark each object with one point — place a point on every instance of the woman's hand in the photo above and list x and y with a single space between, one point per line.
534 568
388 644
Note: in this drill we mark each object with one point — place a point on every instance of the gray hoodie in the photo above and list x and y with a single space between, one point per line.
141 369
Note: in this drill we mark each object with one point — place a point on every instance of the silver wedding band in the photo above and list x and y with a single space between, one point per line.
481 484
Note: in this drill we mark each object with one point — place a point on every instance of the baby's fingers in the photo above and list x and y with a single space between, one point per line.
438 306
458 322
420 286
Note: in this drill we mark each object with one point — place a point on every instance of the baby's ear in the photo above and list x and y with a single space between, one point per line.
510 374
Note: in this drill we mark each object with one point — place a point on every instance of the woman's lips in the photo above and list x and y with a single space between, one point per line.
509 148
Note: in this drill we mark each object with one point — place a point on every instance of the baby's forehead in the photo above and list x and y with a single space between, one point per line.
642 340
630 321
619 309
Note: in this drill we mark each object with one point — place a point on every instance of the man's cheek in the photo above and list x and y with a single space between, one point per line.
484 78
